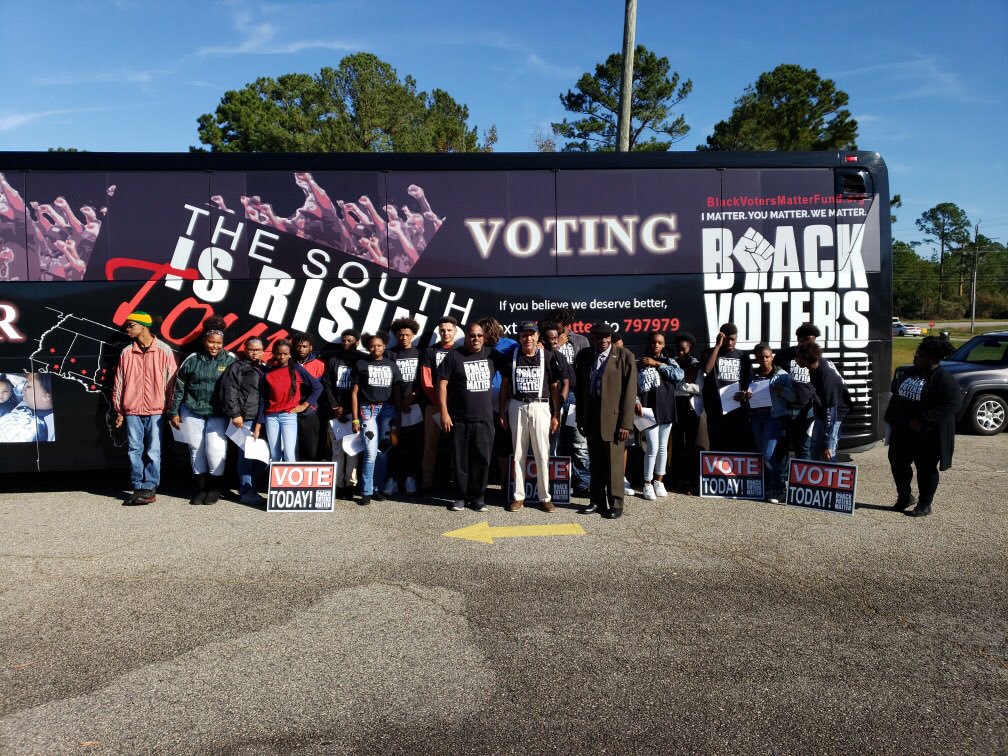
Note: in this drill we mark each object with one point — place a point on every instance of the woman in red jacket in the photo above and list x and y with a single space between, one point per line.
286 389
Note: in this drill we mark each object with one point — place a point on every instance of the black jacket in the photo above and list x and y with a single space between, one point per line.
239 389
935 409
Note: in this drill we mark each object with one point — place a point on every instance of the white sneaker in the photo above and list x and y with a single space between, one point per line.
648 492
627 491
659 489
411 486
390 488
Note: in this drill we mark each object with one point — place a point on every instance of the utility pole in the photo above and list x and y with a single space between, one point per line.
976 256
626 88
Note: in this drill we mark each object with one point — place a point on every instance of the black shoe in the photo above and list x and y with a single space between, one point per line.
213 489
920 511
613 513
201 486
131 500
480 506
145 496
364 501
588 509
902 503
378 496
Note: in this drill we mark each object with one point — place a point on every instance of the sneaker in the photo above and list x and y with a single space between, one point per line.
659 489
390 489
627 491
480 506
411 487
378 496
649 492
145 496
772 499
514 506
457 506
902 504
131 500
920 511
548 505
364 501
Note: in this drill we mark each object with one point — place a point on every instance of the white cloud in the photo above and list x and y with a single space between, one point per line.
101 77
11 121
921 77
260 37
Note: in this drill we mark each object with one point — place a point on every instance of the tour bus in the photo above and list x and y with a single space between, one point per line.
281 243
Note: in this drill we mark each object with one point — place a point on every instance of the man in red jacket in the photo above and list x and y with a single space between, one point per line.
140 394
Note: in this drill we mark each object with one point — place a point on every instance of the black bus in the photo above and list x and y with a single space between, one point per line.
321 243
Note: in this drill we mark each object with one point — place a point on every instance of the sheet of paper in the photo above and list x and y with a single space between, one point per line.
179 434
412 416
353 444
760 394
340 429
571 421
257 448
643 423
238 435
728 402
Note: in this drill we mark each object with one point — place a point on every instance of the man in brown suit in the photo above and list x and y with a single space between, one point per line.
606 394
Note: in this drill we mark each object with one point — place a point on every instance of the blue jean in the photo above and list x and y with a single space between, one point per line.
143 433
281 435
657 450
369 414
575 444
386 419
248 471
768 433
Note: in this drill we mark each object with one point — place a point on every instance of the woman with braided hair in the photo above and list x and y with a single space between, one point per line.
921 418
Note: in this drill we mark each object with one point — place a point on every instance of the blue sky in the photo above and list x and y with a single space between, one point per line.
928 81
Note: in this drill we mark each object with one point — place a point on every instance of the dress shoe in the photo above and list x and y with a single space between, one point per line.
613 513
902 503
548 506
588 509
920 511
145 496
514 506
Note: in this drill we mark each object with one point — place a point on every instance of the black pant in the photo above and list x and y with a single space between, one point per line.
404 458
684 469
307 437
923 454
730 433
605 463
472 445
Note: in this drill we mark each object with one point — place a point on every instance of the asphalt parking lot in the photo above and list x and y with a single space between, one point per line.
690 624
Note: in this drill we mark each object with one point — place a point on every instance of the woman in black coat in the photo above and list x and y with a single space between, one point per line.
921 416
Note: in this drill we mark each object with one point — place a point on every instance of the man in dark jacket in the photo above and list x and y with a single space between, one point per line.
606 395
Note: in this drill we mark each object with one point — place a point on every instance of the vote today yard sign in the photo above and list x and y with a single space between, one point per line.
559 476
829 486
301 487
731 475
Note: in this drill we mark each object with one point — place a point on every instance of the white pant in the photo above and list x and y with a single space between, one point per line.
530 423
207 442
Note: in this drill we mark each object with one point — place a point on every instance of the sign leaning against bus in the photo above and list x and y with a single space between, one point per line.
321 243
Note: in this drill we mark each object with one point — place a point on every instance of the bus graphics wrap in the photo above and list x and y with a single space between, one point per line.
322 243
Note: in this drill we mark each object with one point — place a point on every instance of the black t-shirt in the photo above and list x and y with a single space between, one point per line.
575 343
338 378
375 379
470 383
431 359
407 361
526 373
732 366
801 379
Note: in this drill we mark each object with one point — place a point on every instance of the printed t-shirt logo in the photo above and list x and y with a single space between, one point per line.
342 377
407 368
528 379
729 369
477 375
379 376
648 379
800 374
912 388
439 357
567 350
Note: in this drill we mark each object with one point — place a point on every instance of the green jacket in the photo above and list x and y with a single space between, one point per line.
197 381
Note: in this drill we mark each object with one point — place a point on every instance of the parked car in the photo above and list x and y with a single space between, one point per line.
900 328
980 367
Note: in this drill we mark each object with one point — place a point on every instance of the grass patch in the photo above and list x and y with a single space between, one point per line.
903 348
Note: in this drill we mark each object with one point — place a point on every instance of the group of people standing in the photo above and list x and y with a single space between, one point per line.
458 409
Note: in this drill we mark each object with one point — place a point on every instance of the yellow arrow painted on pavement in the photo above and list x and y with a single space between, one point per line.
483 533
